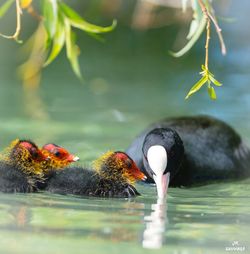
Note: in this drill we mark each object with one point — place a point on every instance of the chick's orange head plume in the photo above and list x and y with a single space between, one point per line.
32 148
130 166
60 153
118 166
26 155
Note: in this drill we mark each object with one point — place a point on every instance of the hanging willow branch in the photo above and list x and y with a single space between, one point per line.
207 75
57 25
18 24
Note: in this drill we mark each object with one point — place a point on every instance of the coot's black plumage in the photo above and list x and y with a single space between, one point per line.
113 176
213 151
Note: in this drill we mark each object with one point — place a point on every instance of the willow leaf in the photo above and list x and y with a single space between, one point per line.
67 28
216 82
58 42
205 70
69 12
203 67
211 92
50 16
192 41
98 37
197 86
90 28
78 22
193 28
72 49
5 7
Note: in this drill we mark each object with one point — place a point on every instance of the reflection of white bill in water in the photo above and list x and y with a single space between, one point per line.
153 235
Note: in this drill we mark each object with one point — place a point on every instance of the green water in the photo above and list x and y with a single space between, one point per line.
129 82
198 220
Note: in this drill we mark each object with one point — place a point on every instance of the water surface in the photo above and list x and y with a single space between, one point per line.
198 220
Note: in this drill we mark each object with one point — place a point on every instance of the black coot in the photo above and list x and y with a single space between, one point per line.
192 150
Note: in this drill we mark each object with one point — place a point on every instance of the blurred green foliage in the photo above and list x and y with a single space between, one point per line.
57 23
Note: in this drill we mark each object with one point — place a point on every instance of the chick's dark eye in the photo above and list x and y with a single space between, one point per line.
128 163
35 155
57 154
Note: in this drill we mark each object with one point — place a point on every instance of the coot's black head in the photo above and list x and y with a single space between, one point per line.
162 156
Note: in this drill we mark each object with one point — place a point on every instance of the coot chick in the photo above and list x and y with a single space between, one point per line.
58 156
193 150
114 175
20 167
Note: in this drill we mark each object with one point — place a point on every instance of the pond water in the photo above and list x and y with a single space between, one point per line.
197 220
130 82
